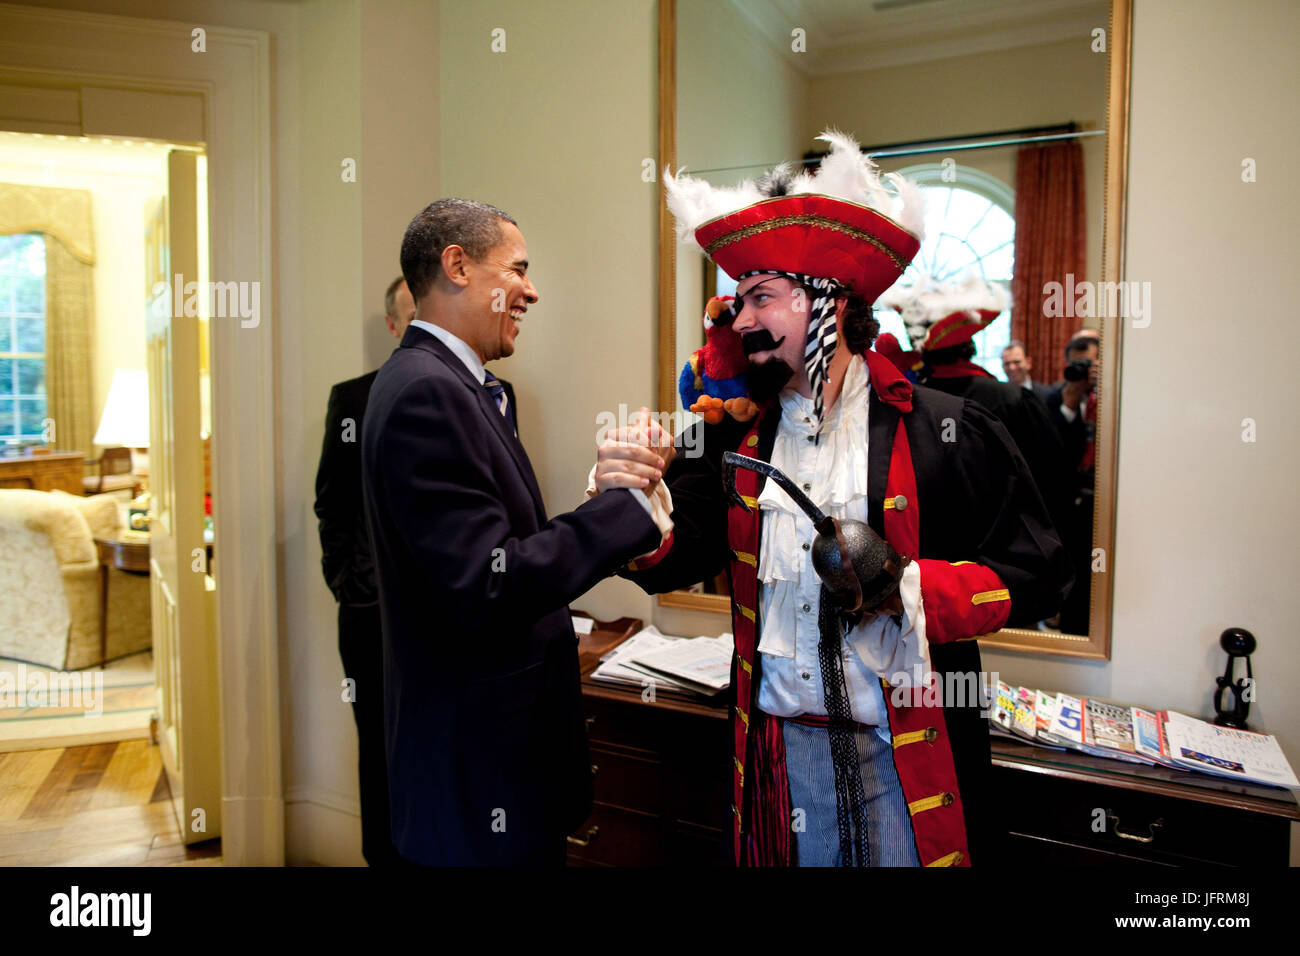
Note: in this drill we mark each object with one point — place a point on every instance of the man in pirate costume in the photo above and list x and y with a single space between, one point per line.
942 319
834 762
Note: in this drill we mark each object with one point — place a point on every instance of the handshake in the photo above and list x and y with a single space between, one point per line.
634 456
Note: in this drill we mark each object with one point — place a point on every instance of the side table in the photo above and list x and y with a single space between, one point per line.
131 556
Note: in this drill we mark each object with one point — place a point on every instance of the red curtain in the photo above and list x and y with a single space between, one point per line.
1051 243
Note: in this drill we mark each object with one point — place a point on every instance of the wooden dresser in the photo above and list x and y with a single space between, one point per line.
662 777
663 797
61 470
1077 810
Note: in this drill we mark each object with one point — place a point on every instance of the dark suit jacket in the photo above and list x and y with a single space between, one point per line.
1041 390
1074 435
1031 426
487 749
344 541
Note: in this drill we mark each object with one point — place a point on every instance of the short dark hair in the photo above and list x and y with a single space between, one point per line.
390 297
474 226
1015 344
953 353
1081 343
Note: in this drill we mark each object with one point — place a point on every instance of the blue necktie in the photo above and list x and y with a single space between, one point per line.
498 393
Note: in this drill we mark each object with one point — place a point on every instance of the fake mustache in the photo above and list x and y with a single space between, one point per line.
759 340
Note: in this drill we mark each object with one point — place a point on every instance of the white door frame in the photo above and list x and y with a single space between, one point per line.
68 51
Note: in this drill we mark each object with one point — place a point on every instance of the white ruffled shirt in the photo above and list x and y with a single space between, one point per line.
833 473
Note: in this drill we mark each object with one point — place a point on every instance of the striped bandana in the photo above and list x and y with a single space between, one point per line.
822 337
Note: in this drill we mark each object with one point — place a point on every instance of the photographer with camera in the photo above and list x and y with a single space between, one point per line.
1073 406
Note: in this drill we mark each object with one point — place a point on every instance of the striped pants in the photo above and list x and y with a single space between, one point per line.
812 789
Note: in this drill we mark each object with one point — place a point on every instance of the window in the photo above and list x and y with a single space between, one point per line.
969 230
22 338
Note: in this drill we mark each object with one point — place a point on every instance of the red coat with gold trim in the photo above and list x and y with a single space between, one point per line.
988 553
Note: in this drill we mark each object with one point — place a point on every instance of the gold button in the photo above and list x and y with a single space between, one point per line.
751 441
899 502
947 799
931 735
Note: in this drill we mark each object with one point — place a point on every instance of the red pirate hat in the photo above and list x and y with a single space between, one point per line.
813 235
958 328
940 316
840 222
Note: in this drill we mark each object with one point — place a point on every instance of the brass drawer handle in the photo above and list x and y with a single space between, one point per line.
585 839
594 768
591 722
1151 829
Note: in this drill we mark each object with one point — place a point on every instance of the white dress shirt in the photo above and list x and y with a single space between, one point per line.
458 346
833 473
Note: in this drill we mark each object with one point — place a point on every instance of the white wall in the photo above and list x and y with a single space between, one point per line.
554 131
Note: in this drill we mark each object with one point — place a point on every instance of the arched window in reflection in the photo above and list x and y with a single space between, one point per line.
969 229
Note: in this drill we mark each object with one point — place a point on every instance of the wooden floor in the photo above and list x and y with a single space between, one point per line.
99 805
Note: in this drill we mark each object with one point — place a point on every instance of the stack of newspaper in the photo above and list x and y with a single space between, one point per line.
697 665
1165 737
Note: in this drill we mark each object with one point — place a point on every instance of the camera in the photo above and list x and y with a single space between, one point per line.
1077 370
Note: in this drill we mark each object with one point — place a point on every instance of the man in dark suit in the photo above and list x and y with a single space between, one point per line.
349 571
1073 406
350 574
487 749
1020 411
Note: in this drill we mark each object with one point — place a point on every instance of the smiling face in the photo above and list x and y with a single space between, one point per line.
1014 364
500 294
780 307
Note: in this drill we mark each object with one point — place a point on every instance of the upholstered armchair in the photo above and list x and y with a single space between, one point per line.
50 581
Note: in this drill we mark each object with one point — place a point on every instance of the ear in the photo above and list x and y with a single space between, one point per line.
841 304
455 265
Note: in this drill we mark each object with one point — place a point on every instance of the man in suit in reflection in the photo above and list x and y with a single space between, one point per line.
487 748
1073 406
944 318
1016 365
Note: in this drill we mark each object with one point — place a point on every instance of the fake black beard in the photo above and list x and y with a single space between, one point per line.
766 379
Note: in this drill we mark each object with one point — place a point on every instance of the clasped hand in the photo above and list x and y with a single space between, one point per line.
635 456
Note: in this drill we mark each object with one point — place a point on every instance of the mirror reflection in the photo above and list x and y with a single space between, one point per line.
997 109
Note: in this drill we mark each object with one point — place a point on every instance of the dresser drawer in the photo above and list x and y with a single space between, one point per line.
632 780
630 725
1136 825
615 837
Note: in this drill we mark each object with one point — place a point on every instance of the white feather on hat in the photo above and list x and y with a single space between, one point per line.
926 301
845 173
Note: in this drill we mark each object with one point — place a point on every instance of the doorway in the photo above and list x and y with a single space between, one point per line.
83 74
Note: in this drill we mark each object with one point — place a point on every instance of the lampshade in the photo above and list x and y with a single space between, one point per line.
126 413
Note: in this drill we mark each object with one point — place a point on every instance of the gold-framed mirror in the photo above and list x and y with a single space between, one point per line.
947 92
